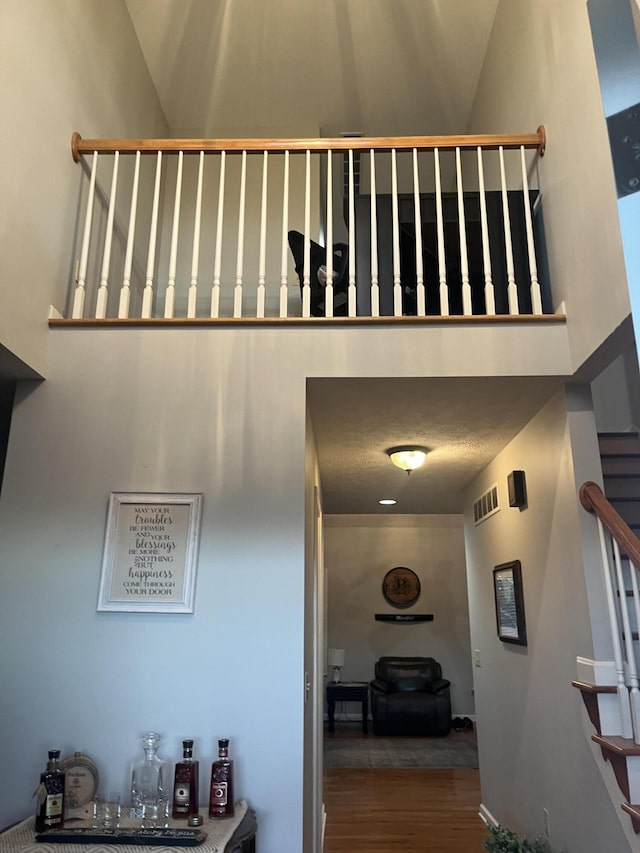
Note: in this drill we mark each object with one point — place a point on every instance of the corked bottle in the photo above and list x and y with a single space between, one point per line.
221 803
185 787
50 795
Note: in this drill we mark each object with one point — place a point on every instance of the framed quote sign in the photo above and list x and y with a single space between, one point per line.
150 553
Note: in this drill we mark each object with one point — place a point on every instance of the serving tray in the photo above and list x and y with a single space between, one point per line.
160 837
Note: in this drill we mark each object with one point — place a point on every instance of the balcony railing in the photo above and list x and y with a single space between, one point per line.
217 230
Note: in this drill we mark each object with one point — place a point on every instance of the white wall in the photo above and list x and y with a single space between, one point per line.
359 551
540 69
534 753
64 66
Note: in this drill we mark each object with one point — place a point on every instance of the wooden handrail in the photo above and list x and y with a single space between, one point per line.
593 500
80 146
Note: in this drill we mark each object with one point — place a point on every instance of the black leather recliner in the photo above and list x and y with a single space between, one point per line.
409 696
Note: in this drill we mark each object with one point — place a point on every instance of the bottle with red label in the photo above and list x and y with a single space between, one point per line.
50 795
185 786
221 803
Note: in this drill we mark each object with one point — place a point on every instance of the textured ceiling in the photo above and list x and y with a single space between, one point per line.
464 423
378 66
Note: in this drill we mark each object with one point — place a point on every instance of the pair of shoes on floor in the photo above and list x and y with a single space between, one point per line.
461 724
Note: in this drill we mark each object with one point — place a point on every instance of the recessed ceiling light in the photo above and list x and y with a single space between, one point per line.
387 502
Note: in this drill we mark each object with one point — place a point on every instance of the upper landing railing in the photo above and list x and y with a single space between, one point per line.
234 229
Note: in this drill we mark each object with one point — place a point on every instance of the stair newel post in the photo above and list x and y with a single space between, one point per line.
464 260
103 290
237 293
626 729
147 296
420 291
284 257
125 292
306 264
78 297
217 260
375 283
512 288
328 291
395 221
536 298
489 293
262 264
195 255
351 303
442 264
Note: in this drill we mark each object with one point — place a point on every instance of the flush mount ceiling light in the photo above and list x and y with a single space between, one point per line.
408 457
387 502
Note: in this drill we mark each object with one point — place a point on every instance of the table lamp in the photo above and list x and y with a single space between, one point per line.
335 659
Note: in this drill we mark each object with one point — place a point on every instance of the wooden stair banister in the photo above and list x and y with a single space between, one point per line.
593 500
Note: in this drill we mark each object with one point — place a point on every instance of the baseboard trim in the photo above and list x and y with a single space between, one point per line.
486 816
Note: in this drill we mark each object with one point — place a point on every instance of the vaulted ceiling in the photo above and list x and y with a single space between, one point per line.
383 67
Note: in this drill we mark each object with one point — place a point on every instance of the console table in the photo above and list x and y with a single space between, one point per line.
232 835
347 691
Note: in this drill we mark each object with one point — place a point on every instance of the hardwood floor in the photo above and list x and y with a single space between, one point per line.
379 811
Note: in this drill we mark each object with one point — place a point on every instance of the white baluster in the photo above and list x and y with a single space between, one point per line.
195 255
147 296
420 291
395 231
262 262
512 289
536 297
284 278
217 261
306 266
632 671
636 604
352 241
442 264
462 224
489 294
328 296
624 707
103 290
375 284
125 291
237 295
170 296
78 297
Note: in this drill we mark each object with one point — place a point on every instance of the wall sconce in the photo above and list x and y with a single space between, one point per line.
517 489
408 457
335 659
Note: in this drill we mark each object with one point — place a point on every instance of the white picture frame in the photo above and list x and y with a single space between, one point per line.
150 553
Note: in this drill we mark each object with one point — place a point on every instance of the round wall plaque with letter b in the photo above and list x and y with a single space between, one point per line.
401 587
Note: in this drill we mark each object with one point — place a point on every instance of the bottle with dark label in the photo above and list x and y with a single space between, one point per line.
185 786
221 802
50 795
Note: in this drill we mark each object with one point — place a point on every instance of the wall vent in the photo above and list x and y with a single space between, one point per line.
486 505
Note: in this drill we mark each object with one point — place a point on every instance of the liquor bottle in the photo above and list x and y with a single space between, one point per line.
185 788
221 802
149 798
50 794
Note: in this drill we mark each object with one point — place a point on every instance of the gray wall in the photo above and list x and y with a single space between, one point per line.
540 69
64 66
359 551
534 753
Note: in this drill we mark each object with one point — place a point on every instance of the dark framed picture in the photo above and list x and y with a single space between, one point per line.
507 587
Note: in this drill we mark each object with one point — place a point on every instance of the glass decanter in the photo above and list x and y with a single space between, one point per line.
149 797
